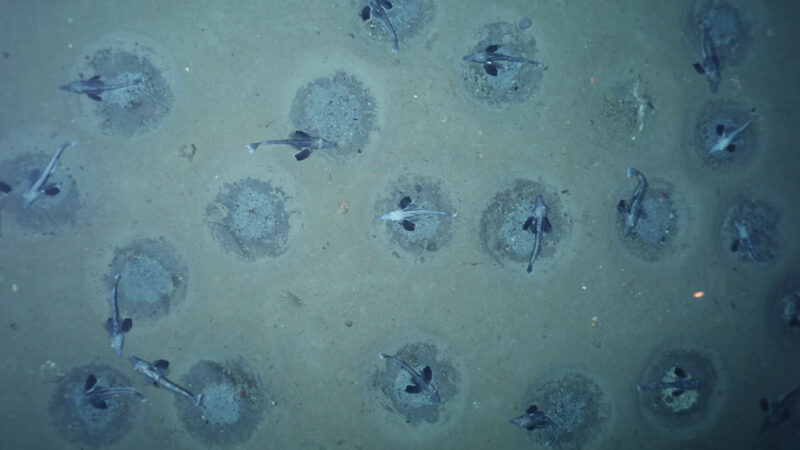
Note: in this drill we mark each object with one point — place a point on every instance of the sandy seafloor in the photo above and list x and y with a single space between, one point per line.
236 68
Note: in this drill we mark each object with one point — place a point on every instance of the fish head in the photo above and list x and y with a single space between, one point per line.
116 343
398 215
29 197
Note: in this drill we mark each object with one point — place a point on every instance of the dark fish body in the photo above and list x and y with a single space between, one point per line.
378 9
406 217
710 63
744 242
117 328
38 187
690 384
154 372
96 396
94 86
537 224
633 210
533 419
778 411
727 137
422 381
300 140
680 385
490 59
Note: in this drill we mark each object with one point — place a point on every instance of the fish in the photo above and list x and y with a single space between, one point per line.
96 396
94 86
406 217
778 411
421 381
534 418
744 242
709 66
537 224
633 211
114 326
681 384
490 58
38 187
154 372
378 9
300 140
726 137
5 189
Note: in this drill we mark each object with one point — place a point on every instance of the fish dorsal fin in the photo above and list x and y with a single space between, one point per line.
427 374
91 382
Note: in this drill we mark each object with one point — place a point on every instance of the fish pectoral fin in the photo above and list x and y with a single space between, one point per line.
492 48
427 374
699 68
528 222
109 325
622 207
161 365
99 404
641 214
731 148
300 134
127 324
91 382
491 69
302 154
531 409
764 404
735 245
95 97
386 4
413 389
408 225
677 392
365 13
405 202
720 129
546 227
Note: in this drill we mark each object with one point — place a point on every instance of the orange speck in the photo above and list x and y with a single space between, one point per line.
698 294
593 79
